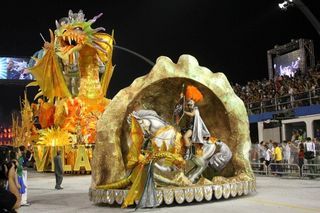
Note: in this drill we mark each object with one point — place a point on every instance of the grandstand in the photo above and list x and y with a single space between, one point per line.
285 107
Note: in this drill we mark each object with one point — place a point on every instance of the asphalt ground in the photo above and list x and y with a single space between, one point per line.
273 195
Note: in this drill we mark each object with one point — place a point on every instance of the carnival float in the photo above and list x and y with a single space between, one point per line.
72 72
178 134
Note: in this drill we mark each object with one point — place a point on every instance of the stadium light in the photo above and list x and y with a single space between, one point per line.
284 5
304 9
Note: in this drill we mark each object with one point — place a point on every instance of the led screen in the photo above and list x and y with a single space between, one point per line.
287 64
15 68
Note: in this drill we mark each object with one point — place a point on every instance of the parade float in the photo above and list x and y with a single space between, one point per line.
178 134
142 157
72 72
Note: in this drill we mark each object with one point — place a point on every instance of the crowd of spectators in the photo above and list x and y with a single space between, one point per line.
282 92
288 152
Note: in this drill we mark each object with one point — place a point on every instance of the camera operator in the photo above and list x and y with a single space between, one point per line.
10 198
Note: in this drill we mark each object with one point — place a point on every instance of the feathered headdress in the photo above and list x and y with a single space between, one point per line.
192 93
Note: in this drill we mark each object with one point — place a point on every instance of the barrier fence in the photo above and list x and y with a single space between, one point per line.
311 170
259 168
284 169
281 169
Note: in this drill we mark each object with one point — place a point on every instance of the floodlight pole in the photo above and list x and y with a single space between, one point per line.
305 10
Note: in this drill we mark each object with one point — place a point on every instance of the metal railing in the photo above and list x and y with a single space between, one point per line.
259 168
284 102
284 169
310 170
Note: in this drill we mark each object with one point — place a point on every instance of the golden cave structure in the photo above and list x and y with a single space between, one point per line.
222 111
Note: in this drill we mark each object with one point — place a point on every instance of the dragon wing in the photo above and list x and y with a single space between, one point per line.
106 44
48 74
107 77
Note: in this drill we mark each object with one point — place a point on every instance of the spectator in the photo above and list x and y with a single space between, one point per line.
302 135
13 158
22 154
271 147
286 152
262 155
30 158
268 155
278 158
58 170
310 154
22 175
10 198
301 157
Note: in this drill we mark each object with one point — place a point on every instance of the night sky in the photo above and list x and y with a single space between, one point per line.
225 36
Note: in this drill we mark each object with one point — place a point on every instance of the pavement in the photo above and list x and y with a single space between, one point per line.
273 194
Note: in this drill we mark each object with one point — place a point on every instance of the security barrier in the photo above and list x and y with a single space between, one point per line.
256 167
284 169
310 170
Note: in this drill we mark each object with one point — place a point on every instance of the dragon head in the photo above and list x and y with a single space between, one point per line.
74 32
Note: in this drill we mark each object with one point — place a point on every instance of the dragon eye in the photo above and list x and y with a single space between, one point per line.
78 28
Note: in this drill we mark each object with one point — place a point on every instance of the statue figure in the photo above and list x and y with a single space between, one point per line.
195 128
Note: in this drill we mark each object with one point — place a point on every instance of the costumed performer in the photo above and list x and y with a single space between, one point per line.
195 129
